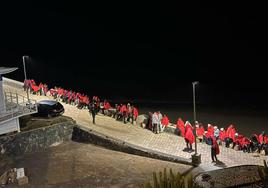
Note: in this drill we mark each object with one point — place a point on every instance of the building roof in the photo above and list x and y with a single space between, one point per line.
5 70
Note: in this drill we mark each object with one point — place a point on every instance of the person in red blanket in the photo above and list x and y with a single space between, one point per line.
180 127
215 150
207 134
247 145
122 113
135 113
106 107
189 136
230 135
164 123
238 141
199 131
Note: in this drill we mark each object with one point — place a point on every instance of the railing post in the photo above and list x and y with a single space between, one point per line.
17 99
11 97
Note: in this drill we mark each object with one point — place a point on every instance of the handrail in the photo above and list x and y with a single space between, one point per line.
16 105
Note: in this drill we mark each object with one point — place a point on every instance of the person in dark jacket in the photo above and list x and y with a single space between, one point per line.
93 110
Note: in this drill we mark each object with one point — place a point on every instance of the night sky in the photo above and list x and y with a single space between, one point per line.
135 50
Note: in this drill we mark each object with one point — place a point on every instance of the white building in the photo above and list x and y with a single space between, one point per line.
12 106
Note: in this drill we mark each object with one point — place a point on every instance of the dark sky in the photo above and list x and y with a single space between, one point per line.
138 50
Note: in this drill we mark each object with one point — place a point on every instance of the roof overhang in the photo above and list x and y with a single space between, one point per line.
5 70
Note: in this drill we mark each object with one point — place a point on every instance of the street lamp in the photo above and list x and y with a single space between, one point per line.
25 77
195 145
196 159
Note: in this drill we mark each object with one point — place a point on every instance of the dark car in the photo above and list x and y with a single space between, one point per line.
49 108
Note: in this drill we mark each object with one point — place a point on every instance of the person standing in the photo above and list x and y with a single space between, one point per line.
155 122
189 136
93 110
215 150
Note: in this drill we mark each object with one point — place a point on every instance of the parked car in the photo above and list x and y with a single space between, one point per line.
49 108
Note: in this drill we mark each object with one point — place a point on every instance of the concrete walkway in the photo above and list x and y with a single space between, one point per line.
164 142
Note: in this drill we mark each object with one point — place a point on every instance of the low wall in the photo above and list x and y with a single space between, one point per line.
36 140
82 134
238 176
13 83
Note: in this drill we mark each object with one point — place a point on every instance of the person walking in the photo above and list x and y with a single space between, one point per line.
93 110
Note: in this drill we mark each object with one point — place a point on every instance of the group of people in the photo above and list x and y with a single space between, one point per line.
58 93
126 113
214 136
157 122
40 89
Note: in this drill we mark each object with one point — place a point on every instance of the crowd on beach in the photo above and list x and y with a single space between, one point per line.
157 123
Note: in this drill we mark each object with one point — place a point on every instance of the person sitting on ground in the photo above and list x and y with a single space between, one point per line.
216 132
199 131
102 108
230 136
222 135
121 111
129 113
255 142
180 127
246 145
164 123
238 141
117 110
208 134
135 113
262 140
106 106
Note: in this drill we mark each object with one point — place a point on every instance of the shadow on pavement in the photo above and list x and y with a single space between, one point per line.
220 164
188 150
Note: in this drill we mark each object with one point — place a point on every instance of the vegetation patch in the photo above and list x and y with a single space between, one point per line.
30 122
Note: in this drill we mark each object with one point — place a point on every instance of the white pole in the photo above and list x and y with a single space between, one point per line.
25 77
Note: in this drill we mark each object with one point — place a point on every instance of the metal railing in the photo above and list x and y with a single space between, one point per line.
16 105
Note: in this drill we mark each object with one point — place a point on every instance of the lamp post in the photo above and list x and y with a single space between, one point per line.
196 158
195 145
25 77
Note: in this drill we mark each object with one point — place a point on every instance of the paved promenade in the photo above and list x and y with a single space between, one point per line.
164 142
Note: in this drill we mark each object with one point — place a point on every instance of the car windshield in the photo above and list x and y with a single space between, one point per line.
57 106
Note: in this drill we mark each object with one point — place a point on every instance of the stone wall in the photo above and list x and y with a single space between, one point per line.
36 140
82 134
238 176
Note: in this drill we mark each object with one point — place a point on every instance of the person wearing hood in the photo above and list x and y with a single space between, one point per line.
216 132
222 135
189 136
180 127
230 135
199 131
164 123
